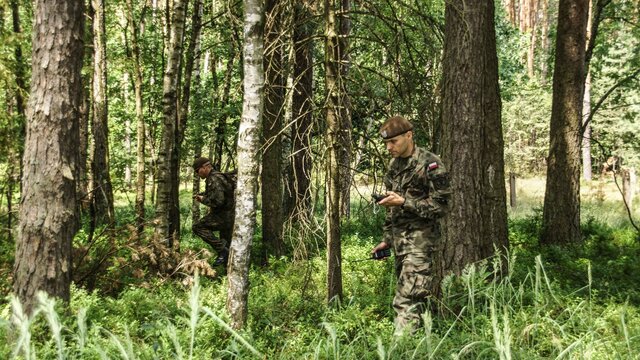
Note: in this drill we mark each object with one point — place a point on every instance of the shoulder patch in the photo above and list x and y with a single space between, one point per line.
432 166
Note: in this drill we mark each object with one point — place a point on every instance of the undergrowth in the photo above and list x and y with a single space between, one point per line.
576 302
573 304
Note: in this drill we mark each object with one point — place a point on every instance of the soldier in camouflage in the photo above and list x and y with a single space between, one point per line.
417 185
220 198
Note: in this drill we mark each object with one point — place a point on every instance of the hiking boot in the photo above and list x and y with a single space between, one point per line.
223 256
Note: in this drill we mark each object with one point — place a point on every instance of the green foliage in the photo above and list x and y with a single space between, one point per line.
569 302
525 119
616 57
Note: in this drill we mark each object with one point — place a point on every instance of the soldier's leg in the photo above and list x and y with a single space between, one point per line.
205 227
413 289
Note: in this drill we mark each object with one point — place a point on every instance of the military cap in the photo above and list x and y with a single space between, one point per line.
199 162
394 126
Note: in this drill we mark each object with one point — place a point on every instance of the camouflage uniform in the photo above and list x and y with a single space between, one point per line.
219 197
413 229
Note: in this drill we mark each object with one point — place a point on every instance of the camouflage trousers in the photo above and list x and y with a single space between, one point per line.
215 221
415 280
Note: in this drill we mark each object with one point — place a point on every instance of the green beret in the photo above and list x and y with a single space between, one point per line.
394 126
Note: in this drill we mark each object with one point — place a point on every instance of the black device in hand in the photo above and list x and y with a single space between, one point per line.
381 254
378 197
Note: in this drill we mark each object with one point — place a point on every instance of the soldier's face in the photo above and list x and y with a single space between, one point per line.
401 145
203 171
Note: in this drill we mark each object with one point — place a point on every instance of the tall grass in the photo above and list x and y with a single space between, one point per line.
485 315
542 303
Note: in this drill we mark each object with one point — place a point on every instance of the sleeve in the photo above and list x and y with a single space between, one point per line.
214 192
437 187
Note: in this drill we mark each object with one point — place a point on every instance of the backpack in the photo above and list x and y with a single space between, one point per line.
231 183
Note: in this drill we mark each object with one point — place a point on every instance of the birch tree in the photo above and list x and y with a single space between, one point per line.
248 149
167 209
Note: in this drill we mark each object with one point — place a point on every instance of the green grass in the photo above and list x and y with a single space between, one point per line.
579 302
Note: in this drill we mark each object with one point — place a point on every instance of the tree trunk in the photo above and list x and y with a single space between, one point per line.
523 23
271 176
628 186
544 40
586 136
221 126
561 214
192 56
302 107
334 149
102 191
48 211
473 143
531 53
344 107
140 125
192 59
248 148
168 206
586 110
127 133
511 10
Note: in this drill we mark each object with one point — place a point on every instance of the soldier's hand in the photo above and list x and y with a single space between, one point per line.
392 199
383 245
197 198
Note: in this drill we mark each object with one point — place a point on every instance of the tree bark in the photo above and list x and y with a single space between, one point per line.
168 206
586 137
628 186
192 56
531 54
344 28
334 149
302 108
140 124
473 143
271 176
248 154
544 40
49 208
127 133
586 110
102 191
561 214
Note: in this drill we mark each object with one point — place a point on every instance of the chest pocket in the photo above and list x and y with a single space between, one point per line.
416 183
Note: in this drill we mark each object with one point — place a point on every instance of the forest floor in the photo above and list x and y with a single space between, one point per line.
575 302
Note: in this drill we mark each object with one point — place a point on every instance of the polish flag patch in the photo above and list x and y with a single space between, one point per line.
433 166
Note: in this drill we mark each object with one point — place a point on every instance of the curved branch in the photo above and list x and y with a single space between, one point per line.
604 97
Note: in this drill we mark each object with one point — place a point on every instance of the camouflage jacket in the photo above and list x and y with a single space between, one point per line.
219 192
424 183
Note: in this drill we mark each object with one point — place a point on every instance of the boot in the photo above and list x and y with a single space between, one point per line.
223 256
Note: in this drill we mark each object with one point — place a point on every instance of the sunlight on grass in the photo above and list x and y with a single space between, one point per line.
578 303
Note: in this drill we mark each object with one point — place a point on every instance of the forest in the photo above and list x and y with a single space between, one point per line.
532 105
